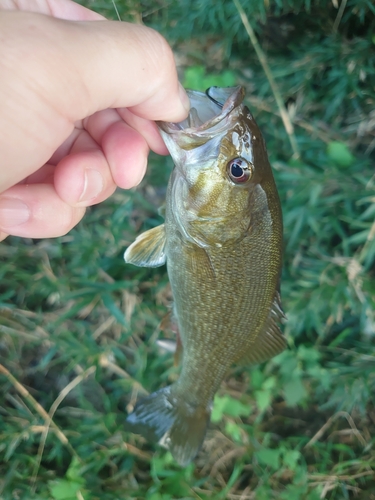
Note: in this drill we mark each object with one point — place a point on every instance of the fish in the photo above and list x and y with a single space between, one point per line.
222 243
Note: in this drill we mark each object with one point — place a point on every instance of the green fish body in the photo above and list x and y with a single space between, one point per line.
222 242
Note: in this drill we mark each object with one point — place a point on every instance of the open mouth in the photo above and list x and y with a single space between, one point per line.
207 110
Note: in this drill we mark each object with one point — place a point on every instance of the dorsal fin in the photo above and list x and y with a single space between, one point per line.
270 342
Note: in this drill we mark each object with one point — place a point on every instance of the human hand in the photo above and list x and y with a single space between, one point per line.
79 98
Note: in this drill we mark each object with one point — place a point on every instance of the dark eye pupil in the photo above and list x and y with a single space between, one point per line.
239 170
236 170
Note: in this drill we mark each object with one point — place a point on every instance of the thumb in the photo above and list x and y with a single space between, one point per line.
103 63
124 65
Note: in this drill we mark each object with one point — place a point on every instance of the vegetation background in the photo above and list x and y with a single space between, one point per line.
78 326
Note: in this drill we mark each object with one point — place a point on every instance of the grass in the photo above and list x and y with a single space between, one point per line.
78 326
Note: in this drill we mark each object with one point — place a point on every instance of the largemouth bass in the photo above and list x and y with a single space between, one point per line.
222 242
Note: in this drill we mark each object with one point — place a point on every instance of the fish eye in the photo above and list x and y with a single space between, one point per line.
239 170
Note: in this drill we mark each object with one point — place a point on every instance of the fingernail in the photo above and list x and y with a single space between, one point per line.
184 97
13 212
93 185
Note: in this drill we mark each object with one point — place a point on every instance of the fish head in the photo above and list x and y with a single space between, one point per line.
220 166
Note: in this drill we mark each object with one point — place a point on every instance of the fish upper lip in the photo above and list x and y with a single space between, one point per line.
205 129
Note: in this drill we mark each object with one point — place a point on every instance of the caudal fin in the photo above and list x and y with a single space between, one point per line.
172 422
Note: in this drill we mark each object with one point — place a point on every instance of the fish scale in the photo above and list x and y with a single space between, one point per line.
222 243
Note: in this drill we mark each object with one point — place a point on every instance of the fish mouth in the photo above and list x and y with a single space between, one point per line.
211 113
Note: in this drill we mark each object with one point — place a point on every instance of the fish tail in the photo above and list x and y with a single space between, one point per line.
167 418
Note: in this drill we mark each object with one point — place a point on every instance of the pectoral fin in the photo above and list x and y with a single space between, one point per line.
270 341
148 249
198 262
